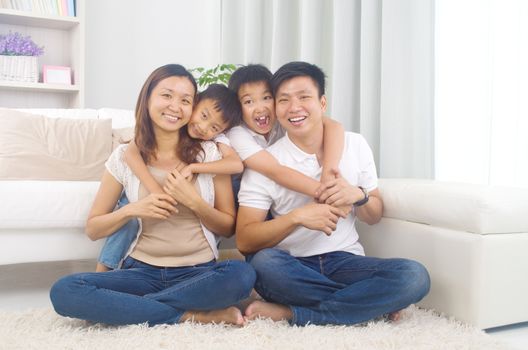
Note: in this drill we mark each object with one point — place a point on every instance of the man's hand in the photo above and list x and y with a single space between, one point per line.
320 217
181 190
153 206
339 192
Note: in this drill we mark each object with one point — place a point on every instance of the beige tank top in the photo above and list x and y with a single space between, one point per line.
176 241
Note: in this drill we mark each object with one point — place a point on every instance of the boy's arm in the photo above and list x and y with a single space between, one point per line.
264 163
334 141
228 165
138 167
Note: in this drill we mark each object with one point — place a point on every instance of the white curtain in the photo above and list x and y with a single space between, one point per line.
378 57
482 91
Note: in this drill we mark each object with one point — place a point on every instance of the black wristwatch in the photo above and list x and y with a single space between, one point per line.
365 199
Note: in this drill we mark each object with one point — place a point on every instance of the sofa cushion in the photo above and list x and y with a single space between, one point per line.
35 147
468 207
46 204
71 113
121 118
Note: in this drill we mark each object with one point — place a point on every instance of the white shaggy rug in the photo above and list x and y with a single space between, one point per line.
418 329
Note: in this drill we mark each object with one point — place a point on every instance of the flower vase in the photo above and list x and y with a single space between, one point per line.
19 68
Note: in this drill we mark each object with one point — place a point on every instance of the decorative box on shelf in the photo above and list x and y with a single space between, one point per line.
19 68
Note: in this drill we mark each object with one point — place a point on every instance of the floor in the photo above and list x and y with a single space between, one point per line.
25 286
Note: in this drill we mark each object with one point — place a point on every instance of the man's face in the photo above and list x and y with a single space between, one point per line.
298 105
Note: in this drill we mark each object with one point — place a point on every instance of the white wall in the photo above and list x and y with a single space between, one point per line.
128 39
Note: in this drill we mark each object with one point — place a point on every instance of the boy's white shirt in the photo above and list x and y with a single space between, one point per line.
246 142
222 138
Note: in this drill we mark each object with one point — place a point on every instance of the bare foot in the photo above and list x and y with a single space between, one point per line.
395 316
101 268
276 312
231 315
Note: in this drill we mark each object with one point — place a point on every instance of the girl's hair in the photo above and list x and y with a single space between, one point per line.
188 149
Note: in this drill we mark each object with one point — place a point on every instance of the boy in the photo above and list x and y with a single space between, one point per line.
216 110
259 129
311 268
252 86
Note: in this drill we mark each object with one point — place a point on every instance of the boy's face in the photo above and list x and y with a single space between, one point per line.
299 107
206 122
258 109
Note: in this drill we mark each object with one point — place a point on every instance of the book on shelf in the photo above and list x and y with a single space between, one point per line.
45 7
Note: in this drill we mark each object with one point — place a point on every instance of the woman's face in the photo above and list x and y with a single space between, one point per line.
170 103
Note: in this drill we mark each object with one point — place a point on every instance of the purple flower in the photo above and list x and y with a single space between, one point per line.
14 44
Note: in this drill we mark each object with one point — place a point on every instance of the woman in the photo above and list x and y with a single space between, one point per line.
170 274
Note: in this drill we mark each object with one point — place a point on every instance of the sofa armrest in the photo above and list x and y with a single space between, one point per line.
473 208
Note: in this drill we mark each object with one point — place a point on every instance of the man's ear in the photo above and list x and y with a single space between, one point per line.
323 103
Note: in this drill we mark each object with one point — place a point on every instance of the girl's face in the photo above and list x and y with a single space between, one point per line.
258 109
170 103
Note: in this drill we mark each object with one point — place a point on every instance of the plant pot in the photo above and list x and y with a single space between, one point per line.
19 68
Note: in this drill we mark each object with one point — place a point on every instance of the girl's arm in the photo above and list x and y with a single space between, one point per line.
139 168
220 219
334 141
229 164
103 220
264 163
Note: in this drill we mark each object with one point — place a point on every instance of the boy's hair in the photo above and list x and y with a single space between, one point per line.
299 69
225 102
252 73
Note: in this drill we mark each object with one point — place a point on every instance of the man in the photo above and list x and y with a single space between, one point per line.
310 266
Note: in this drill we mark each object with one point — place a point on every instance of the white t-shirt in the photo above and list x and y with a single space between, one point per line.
246 142
356 166
222 138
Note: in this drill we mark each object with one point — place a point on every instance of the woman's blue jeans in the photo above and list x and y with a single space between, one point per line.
338 287
140 293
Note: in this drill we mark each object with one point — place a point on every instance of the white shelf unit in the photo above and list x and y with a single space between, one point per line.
63 41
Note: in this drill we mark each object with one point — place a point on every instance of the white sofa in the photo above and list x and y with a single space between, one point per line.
44 220
473 239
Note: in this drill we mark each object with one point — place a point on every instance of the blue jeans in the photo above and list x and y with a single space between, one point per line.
116 245
141 293
338 287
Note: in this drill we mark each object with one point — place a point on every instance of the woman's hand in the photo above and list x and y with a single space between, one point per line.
153 206
182 190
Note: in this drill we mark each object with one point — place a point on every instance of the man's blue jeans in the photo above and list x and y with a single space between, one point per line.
141 293
116 245
338 287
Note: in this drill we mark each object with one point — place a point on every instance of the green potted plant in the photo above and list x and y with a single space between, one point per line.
219 74
18 58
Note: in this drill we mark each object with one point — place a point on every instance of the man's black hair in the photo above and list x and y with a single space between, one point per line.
299 69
